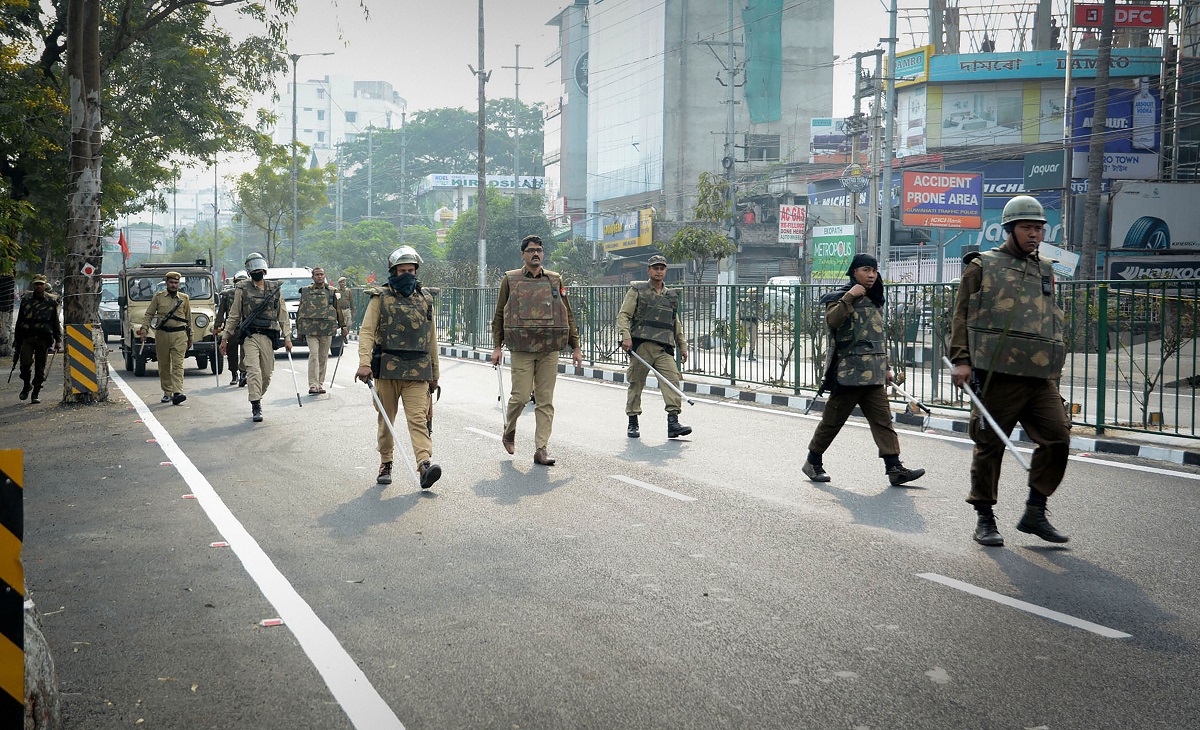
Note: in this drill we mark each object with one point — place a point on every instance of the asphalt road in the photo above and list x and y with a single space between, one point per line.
653 583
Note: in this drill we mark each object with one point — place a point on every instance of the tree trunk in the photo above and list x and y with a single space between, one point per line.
1091 207
81 292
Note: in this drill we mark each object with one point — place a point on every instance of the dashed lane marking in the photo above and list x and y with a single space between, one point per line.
481 432
652 488
346 681
1022 605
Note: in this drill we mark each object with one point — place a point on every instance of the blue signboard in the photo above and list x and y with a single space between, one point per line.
1041 65
1123 132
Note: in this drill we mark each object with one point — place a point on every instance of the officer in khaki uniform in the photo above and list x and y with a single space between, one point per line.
649 325
1006 341
36 327
533 317
346 301
319 318
257 319
397 347
237 371
857 372
172 311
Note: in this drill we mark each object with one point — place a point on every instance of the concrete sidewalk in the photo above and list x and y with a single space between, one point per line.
1153 447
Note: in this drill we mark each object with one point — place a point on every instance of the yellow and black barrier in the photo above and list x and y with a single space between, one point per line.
12 591
81 358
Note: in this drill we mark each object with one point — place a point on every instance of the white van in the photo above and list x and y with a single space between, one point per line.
777 296
291 281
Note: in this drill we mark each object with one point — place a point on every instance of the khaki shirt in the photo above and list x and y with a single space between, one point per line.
368 335
629 308
502 299
235 316
163 302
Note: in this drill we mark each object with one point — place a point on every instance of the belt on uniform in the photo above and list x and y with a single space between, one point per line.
262 331
171 329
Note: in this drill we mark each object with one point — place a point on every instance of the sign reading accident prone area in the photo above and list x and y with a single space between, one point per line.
937 199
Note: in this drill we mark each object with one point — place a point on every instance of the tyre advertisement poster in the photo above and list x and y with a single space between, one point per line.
833 249
1156 217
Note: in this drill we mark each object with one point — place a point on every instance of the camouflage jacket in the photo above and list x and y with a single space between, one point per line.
274 316
38 317
224 303
319 313
859 355
532 313
398 339
652 316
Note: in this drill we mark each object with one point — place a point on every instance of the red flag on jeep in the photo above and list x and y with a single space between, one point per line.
124 246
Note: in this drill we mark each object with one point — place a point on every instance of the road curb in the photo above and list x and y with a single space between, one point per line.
1187 457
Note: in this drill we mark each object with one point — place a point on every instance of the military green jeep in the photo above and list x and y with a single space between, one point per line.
137 287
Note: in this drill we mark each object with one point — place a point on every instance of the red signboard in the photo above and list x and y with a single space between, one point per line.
1127 16
938 199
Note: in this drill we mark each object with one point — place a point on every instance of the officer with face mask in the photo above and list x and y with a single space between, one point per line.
1006 341
258 319
397 348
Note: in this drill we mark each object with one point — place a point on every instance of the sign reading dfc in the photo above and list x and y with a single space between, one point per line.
939 199
1127 16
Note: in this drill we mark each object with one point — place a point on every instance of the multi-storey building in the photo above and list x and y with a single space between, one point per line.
336 109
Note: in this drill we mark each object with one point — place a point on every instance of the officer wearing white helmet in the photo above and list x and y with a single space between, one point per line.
397 349
237 371
1006 342
258 321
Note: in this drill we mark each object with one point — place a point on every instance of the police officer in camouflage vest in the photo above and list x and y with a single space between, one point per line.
346 301
169 313
36 328
397 347
649 325
857 372
1006 341
533 318
319 318
237 370
259 318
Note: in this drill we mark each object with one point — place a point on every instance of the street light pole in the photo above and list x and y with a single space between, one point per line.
295 58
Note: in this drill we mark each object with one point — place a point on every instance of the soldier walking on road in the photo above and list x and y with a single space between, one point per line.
237 370
649 325
346 301
257 319
319 318
857 373
1006 341
533 317
397 347
36 329
170 315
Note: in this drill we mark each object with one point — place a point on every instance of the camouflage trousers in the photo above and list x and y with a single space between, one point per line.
872 399
664 363
414 396
536 373
1037 406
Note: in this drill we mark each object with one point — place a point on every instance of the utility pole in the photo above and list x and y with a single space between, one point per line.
873 217
370 168
856 125
403 156
517 140
1098 136
338 212
295 59
212 257
1068 201
481 183
889 139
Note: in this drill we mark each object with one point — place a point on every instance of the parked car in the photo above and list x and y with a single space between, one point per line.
292 280
110 310
778 295
137 287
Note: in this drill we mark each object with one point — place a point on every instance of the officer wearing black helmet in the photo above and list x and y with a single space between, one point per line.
258 318
397 348
1006 341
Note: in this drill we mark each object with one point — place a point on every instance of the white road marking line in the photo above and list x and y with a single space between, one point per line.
481 432
652 488
1022 605
360 701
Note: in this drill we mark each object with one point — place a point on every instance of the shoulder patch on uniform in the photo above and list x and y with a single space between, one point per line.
373 291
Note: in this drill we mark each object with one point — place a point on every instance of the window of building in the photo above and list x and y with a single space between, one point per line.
351 117
320 115
320 136
320 92
762 147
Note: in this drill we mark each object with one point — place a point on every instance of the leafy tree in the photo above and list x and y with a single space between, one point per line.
503 239
574 261
702 243
264 197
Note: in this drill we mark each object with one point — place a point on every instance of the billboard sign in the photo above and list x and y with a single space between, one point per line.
620 231
1156 217
1142 268
912 67
1127 16
1130 130
504 182
833 249
937 199
1041 65
793 219
1045 170
827 137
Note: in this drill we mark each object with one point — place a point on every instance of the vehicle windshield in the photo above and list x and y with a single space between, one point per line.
291 287
109 290
142 289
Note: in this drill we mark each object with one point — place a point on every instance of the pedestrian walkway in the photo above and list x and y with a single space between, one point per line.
1171 449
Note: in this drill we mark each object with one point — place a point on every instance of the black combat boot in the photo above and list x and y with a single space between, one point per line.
675 428
25 391
385 473
633 431
1034 522
813 468
256 411
242 379
33 398
986 532
898 474
178 398
429 473
233 380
